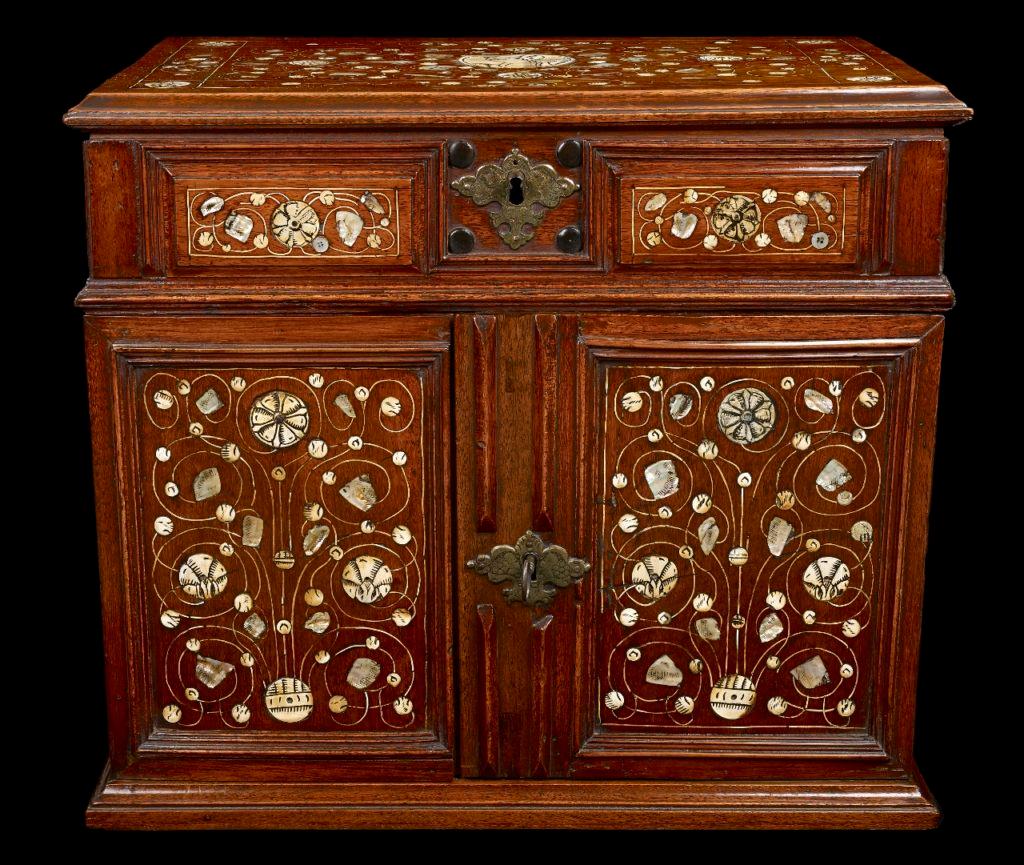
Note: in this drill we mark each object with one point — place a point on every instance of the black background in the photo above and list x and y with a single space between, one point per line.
959 714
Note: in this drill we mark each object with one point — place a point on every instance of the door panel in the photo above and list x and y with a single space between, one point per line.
747 531
287 593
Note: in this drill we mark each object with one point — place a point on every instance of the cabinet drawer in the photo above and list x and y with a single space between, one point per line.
312 208
722 208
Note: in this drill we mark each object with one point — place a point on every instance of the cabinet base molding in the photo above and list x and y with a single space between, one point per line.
891 803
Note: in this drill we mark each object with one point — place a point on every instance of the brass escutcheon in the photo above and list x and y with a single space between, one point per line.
535 569
523 190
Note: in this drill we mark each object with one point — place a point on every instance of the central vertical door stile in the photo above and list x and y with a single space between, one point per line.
517 629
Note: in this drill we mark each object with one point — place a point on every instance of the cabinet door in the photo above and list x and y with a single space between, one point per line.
271 499
756 496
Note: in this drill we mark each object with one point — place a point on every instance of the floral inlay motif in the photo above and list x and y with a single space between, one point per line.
321 223
276 600
735 218
295 223
668 220
279 419
515 61
746 415
740 594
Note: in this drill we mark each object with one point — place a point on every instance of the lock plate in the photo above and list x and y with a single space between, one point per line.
535 569
523 191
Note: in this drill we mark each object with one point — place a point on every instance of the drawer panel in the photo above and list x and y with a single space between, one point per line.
298 225
294 206
809 213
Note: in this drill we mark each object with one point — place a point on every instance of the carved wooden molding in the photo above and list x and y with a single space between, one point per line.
489 723
485 396
545 413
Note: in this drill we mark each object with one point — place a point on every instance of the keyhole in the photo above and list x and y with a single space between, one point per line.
515 190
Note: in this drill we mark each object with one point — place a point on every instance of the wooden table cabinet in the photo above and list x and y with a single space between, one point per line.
521 433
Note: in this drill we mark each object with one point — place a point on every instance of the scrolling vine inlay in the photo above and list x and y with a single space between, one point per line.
286 558
714 219
262 223
739 534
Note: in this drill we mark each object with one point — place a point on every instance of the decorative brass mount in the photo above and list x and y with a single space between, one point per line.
535 569
523 190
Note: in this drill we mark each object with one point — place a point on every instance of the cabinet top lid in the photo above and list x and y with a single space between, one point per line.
320 82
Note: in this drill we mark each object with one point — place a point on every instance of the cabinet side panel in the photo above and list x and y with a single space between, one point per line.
918 418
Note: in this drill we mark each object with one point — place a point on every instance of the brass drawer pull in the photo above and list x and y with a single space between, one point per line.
535 569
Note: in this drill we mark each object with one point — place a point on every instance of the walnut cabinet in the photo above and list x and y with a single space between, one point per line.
513 433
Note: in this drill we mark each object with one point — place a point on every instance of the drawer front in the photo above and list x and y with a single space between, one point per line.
284 591
716 210
624 204
315 208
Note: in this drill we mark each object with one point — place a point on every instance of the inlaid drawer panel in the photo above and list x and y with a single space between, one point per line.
757 212
315 209
275 223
